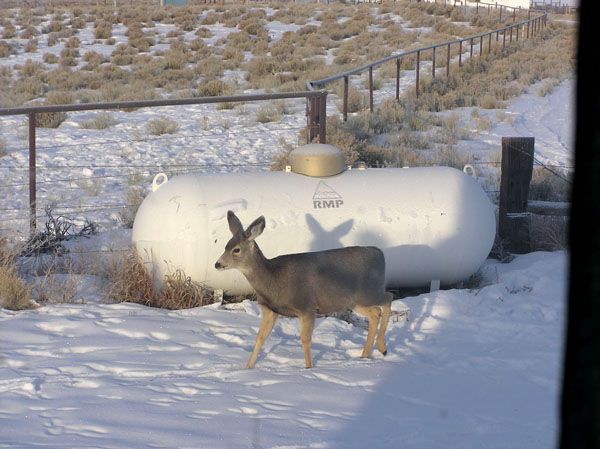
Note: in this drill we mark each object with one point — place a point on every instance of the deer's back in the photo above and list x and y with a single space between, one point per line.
327 281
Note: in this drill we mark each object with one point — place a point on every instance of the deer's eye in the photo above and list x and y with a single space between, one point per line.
236 250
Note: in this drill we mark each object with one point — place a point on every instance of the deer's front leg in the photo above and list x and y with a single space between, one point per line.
268 318
307 324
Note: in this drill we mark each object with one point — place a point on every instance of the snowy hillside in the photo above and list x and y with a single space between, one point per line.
470 369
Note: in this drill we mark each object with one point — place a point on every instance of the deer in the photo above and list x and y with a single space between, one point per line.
303 285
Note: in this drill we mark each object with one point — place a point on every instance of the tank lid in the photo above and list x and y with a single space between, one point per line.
317 159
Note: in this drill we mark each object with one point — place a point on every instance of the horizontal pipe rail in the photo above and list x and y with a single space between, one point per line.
26 110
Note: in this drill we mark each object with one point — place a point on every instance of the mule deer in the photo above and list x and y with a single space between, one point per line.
302 285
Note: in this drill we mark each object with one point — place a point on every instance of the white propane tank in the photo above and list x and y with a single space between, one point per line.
432 223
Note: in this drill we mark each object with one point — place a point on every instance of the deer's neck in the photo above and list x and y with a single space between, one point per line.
260 275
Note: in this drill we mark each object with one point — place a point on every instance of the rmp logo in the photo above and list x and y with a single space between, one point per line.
326 198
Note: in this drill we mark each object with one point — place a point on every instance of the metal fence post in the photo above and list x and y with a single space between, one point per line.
323 117
480 46
489 43
371 88
460 54
398 79
312 117
471 49
417 67
448 63
433 63
32 175
345 111
317 112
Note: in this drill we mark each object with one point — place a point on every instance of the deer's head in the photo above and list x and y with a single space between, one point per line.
241 248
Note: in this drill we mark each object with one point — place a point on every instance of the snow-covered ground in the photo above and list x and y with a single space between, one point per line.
470 369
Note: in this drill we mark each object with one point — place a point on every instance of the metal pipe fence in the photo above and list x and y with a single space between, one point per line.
316 113
533 25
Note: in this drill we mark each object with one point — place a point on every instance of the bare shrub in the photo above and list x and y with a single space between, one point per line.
102 120
449 156
56 231
6 49
162 125
52 39
357 100
268 113
123 55
546 86
130 282
54 119
203 33
50 58
31 46
102 30
9 31
29 32
214 88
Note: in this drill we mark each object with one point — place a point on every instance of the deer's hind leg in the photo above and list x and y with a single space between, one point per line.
373 314
386 311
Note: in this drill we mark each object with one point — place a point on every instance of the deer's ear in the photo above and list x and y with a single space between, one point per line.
255 229
235 225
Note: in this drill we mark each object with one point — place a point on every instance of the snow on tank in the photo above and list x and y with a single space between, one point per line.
432 223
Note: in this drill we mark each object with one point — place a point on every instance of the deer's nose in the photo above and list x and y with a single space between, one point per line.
218 265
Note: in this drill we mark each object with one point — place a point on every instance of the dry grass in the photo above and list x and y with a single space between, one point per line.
135 196
15 293
57 283
268 113
546 186
549 233
130 282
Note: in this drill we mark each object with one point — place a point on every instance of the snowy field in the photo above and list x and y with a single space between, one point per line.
86 173
470 369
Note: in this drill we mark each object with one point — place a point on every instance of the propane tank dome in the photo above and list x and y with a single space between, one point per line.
318 160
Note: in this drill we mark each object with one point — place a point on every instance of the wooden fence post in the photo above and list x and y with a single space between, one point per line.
517 168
